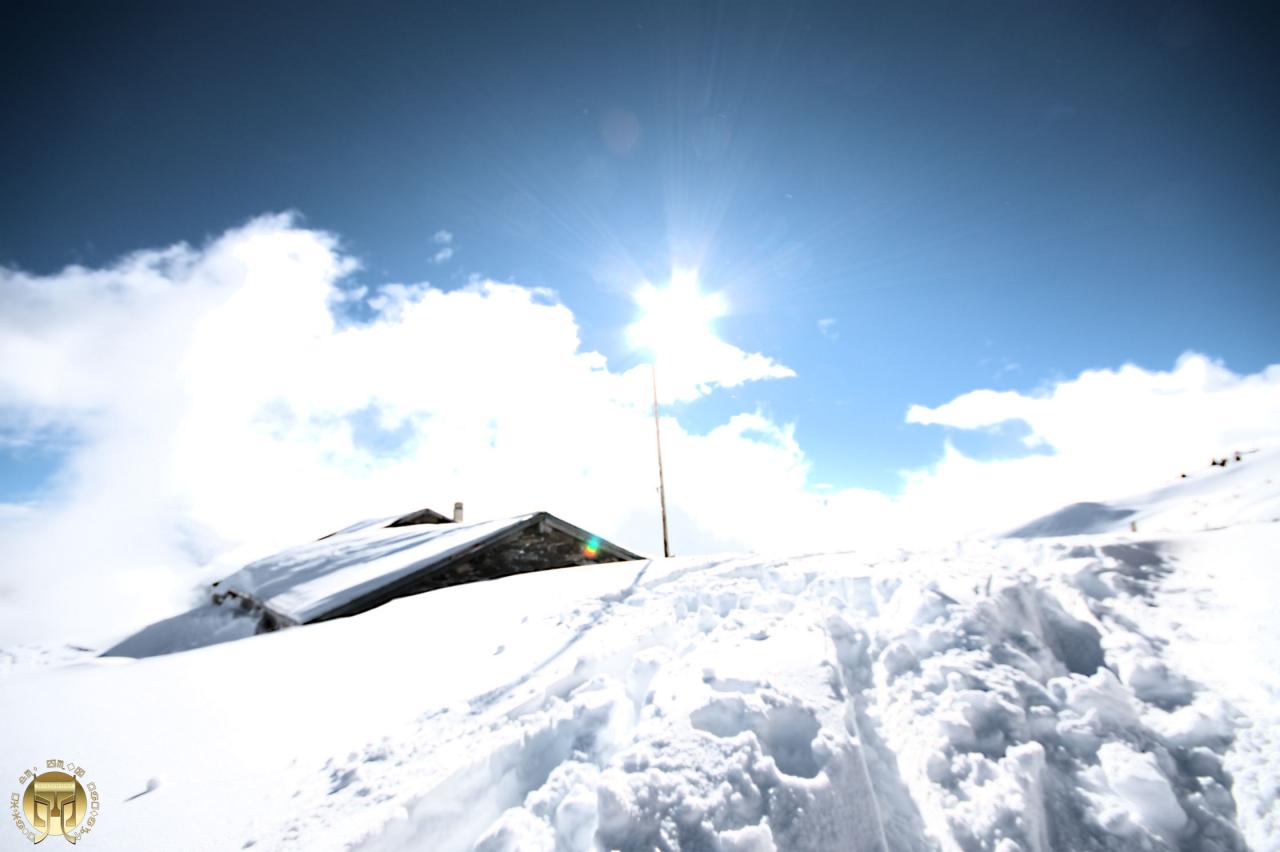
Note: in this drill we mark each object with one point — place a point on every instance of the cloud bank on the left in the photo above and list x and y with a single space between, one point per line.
217 402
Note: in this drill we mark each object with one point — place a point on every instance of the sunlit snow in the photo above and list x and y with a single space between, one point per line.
1110 687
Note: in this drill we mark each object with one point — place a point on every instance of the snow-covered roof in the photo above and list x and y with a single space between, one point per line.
302 583
307 582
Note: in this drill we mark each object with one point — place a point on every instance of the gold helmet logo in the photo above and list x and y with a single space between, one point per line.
55 803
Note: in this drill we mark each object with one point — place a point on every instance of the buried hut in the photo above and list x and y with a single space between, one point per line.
366 565
370 563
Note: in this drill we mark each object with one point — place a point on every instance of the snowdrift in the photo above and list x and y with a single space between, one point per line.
1106 690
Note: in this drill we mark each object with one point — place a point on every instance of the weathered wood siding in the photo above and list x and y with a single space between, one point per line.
531 550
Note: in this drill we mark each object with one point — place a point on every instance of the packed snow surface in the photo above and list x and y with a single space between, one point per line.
1115 689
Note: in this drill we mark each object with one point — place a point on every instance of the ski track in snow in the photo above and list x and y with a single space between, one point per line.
818 703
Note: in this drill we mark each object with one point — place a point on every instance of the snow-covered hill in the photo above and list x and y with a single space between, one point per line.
1115 689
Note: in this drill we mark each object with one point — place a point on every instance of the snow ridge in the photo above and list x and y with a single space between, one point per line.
819 703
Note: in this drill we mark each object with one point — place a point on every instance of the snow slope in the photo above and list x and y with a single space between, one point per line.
1108 690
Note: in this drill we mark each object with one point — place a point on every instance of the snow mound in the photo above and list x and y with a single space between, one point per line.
209 624
1076 519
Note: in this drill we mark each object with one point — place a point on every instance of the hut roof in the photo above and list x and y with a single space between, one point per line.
305 583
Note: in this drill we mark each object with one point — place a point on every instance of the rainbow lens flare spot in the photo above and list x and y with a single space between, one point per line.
591 547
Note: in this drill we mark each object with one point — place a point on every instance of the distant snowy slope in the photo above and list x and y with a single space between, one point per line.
1245 491
1107 691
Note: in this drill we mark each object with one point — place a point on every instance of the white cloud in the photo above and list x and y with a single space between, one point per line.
676 331
827 328
219 411
707 363
444 239
1111 432
218 406
1130 416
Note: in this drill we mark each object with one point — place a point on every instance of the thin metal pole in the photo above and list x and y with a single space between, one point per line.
662 488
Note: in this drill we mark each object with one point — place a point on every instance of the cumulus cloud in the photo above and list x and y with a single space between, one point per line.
676 331
1131 416
442 237
212 408
1110 432
442 256
221 411
827 328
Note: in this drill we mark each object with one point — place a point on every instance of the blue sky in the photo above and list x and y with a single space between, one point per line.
994 195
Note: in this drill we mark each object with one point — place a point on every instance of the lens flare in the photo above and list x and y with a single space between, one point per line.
591 547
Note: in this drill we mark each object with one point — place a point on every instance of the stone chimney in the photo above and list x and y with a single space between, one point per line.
457 512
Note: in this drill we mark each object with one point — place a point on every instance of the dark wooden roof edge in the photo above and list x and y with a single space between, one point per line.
421 516
425 515
603 545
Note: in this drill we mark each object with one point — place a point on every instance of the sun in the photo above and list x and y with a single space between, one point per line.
674 317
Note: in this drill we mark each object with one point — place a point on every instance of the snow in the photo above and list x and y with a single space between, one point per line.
1143 787
1243 492
208 624
1073 520
23 658
1218 615
1100 690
